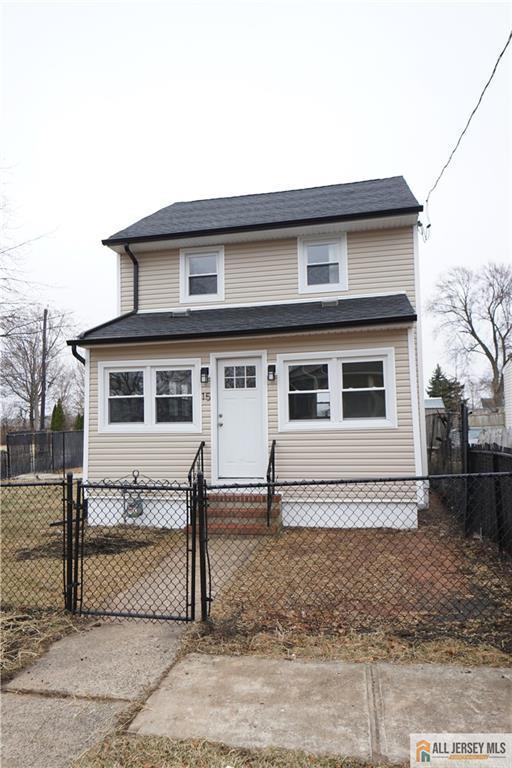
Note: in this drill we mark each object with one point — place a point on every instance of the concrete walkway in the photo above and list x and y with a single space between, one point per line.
355 710
71 697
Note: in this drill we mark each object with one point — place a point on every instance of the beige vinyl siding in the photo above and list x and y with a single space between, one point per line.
379 261
328 453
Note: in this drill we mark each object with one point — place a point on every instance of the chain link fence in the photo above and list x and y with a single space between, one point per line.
391 554
33 546
137 558
403 555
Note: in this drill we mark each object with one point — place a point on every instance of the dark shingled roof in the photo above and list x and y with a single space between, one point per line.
337 202
244 321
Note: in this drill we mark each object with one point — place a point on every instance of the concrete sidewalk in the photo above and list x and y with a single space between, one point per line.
355 710
71 697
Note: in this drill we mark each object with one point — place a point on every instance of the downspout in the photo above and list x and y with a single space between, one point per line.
135 277
77 355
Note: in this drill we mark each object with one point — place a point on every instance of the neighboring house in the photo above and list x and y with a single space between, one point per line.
288 316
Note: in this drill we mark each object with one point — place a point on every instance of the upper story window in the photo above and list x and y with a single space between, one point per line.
323 264
201 274
150 397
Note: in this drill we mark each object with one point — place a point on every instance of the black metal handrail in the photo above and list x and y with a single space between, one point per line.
198 463
271 479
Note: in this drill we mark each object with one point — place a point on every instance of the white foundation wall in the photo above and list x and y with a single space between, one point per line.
357 514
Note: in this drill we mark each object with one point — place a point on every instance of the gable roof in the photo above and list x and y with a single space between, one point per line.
337 202
250 320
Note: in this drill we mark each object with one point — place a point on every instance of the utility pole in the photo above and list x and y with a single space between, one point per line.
43 372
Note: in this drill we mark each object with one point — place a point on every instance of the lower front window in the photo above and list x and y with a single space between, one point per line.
152 397
342 389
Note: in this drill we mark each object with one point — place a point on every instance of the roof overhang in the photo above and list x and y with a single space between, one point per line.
380 323
279 230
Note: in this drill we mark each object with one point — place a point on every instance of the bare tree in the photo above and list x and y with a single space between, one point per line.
21 376
70 389
14 281
474 309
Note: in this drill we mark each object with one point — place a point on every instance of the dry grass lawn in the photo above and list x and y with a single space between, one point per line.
26 636
350 646
367 593
123 751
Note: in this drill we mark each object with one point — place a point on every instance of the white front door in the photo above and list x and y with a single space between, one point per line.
240 418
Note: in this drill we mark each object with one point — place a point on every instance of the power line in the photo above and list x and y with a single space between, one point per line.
445 166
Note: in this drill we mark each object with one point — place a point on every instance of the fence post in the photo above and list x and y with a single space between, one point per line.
464 437
80 509
464 455
68 537
498 504
201 510
192 506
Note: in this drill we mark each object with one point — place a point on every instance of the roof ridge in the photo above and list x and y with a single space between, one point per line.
282 191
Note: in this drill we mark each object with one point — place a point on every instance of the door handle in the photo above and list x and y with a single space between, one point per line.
220 424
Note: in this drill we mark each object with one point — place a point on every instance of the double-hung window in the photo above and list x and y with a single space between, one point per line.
323 264
173 397
153 396
342 390
201 274
364 393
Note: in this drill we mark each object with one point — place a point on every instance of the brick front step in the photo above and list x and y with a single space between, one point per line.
242 512
242 498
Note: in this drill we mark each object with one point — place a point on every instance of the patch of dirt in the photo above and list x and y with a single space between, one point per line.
112 542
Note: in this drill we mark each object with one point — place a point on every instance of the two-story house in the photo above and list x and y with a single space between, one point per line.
289 316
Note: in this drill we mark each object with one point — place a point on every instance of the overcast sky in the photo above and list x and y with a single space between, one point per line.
113 110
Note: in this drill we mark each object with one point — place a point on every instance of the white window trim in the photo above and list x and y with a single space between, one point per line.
340 240
185 297
149 368
334 359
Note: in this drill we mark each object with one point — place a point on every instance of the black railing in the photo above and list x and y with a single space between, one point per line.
271 479
198 464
